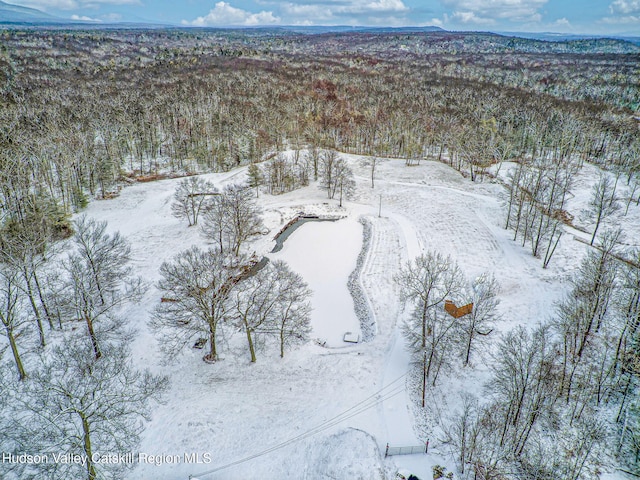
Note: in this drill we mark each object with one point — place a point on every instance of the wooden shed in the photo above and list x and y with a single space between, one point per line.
457 312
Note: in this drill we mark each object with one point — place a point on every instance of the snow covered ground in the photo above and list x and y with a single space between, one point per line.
327 412
321 253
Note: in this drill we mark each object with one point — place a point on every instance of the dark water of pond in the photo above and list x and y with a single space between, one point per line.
286 233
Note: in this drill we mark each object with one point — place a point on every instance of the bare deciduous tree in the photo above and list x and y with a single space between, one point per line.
523 383
587 307
479 323
274 302
326 174
426 283
75 404
196 287
627 356
474 434
11 305
291 316
343 180
27 251
254 303
603 203
106 257
462 432
583 442
233 218
373 163
192 197
99 280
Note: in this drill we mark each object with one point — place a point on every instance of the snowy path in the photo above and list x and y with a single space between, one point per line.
436 187
391 239
398 416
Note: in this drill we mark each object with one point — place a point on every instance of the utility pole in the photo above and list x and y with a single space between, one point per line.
380 206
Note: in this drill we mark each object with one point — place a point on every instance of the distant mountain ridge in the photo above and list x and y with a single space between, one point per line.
346 28
568 37
24 16
16 14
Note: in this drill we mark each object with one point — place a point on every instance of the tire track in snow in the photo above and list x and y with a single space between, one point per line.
386 253
379 267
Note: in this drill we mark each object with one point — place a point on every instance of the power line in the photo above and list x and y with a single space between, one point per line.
366 404
305 435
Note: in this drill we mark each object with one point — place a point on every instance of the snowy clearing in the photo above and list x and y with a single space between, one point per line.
326 412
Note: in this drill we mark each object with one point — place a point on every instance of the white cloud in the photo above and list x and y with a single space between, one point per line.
627 20
490 10
471 17
95 3
372 7
624 12
313 14
84 18
226 15
111 17
562 22
355 12
382 21
625 7
386 6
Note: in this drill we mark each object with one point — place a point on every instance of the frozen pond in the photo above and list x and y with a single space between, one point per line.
325 253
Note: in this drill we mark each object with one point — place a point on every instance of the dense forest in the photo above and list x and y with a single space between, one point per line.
84 113
141 101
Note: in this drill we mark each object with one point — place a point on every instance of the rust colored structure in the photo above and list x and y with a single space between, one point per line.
457 312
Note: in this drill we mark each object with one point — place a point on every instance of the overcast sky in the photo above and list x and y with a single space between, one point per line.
566 16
